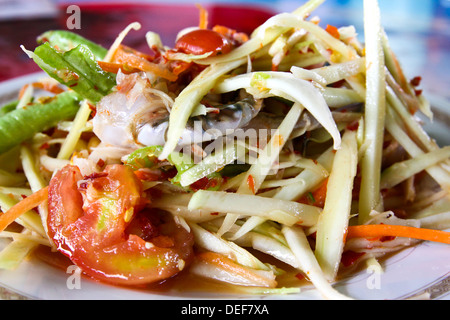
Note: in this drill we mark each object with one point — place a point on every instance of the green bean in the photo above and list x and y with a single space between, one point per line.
77 69
22 124
66 40
10 106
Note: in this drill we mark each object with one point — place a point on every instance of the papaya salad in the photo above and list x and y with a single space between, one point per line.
239 158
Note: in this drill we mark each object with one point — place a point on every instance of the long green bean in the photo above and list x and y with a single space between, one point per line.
21 124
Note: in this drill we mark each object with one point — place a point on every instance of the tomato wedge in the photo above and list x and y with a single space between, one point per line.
105 226
203 41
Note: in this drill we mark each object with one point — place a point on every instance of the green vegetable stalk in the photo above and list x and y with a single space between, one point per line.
76 69
147 157
8 107
22 124
66 41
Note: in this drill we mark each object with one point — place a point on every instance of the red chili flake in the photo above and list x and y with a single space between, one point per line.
83 186
274 67
349 258
251 183
356 187
416 81
384 192
155 53
101 163
353 126
93 109
200 184
204 184
212 183
169 174
44 146
387 238
96 175
339 83
300 276
400 213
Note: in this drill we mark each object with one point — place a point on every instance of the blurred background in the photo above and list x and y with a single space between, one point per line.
419 30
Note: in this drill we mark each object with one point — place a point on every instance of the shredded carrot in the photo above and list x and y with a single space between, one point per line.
225 31
114 67
251 183
44 85
131 59
238 37
317 197
179 67
23 206
333 31
48 86
383 230
203 23
124 51
22 91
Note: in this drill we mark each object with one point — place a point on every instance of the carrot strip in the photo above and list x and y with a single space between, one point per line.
382 230
203 23
251 183
132 59
333 31
45 85
23 206
317 197
114 67
48 86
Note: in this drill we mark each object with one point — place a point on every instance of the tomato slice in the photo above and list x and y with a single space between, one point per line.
202 41
102 224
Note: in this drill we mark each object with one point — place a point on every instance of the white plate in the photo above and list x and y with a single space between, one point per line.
410 273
